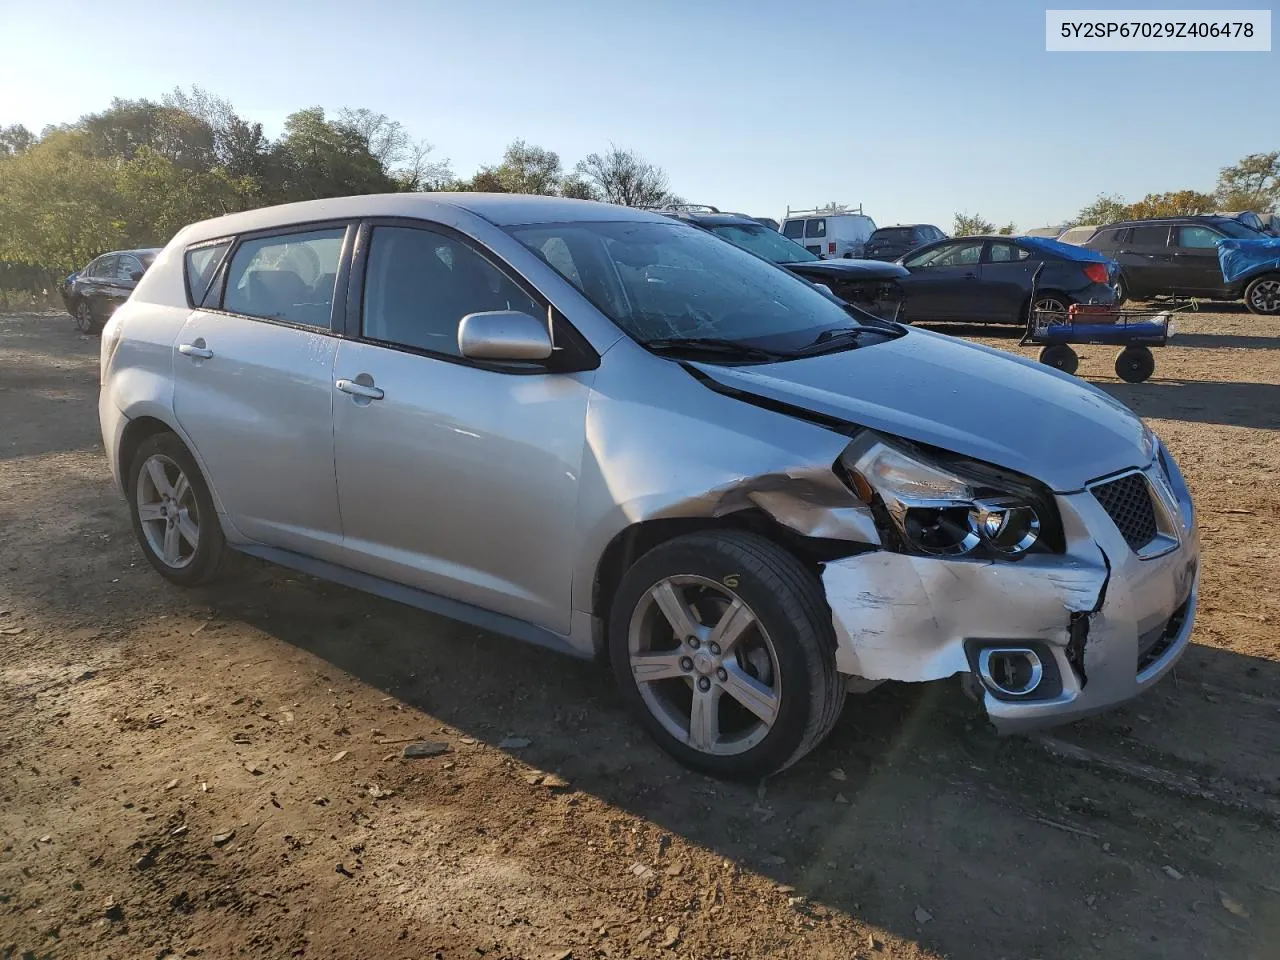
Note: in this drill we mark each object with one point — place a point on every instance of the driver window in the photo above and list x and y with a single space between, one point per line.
420 284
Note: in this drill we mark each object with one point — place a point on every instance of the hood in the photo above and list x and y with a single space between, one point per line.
971 400
825 271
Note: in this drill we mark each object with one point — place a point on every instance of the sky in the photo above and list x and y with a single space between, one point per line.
915 109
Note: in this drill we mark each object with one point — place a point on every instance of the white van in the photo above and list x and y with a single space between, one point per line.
829 235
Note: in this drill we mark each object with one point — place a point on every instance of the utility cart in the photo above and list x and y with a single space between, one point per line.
1134 330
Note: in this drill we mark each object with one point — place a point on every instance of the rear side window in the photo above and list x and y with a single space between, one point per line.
289 277
126 266
1150 236
420 284
815 228
201 264
1106 239
794 229
1007 252
103 267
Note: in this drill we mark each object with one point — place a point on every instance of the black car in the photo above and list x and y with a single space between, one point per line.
872 285
891 243
1172 257
988 279
92 294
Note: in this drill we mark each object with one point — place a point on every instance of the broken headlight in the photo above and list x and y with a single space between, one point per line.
941 509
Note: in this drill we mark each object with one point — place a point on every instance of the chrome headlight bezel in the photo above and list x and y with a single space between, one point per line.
937 504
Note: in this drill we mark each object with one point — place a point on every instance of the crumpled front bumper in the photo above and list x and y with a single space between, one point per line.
900 617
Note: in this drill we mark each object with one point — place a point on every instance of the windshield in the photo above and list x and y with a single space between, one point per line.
659 281
763 242
1234 228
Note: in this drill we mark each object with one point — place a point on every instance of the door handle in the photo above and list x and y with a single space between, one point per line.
197 350
366 390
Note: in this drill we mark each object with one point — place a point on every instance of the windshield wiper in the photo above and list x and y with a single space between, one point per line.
721 346
837 339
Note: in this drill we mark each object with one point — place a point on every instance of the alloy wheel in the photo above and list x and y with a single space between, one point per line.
84 316
1265 296
704 665
1051 309
168 512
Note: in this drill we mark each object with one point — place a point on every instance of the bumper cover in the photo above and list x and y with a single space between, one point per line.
900 617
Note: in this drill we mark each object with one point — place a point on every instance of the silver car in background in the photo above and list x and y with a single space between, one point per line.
614 434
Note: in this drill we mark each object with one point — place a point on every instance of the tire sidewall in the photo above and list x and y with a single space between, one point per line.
1139 355
1253 285
209 551
688 556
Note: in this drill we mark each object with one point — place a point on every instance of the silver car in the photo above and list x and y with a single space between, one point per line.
616 435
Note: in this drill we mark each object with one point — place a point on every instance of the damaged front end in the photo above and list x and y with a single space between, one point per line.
1038 599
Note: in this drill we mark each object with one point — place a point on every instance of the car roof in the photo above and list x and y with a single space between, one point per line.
903 226
137 252
502 209
714 219
1156 221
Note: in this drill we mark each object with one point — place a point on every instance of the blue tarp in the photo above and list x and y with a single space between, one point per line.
1068 250
1239 258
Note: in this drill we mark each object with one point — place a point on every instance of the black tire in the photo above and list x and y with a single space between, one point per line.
788 602
87 320
1121 290
1135 364
1060 357
1262 295
205 560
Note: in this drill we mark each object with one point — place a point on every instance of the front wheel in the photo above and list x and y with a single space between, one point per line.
1262 296
723 646
1135 364
173 514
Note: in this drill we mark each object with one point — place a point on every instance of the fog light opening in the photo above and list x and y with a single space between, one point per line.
1010 671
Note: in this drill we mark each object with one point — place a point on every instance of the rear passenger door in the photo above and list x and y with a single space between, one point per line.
1146 261
454 477
1195 257
253 381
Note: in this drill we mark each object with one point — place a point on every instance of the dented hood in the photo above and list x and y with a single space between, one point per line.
972 400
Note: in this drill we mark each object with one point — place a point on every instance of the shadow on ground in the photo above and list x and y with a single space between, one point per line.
1254 405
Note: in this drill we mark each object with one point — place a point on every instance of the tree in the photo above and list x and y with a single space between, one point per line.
384 138
239 146
1251 184
420 173
623 176
15 139
579 189
129 125
318 158
1181 203
525 168
1008 230
1106 208
968 225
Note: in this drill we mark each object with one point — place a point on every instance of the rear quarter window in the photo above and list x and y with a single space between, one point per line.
815 228
793 229
200 264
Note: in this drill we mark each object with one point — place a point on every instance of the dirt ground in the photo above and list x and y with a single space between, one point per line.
218 773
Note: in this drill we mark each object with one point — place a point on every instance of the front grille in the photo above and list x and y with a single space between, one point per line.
1127 501
1153 644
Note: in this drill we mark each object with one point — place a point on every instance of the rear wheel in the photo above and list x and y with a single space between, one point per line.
1263 295
1061 357
173 514
1135 364
723 646
1120 289
1052 308
86 320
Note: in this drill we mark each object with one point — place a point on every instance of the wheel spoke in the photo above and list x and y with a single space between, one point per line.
648 667
731 626
704 719
751 693
150 511
675 610
181 488
187 527
161 482
171 540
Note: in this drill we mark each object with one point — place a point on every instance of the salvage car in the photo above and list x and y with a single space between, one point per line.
91 295
870 285
891 243
604 431
988 279
1178 257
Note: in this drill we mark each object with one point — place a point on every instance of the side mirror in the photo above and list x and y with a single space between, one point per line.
135 276
504 335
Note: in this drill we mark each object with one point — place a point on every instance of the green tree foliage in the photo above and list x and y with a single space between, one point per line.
969 225
1008 230
15 139
1251 184
1180 203
1106 208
